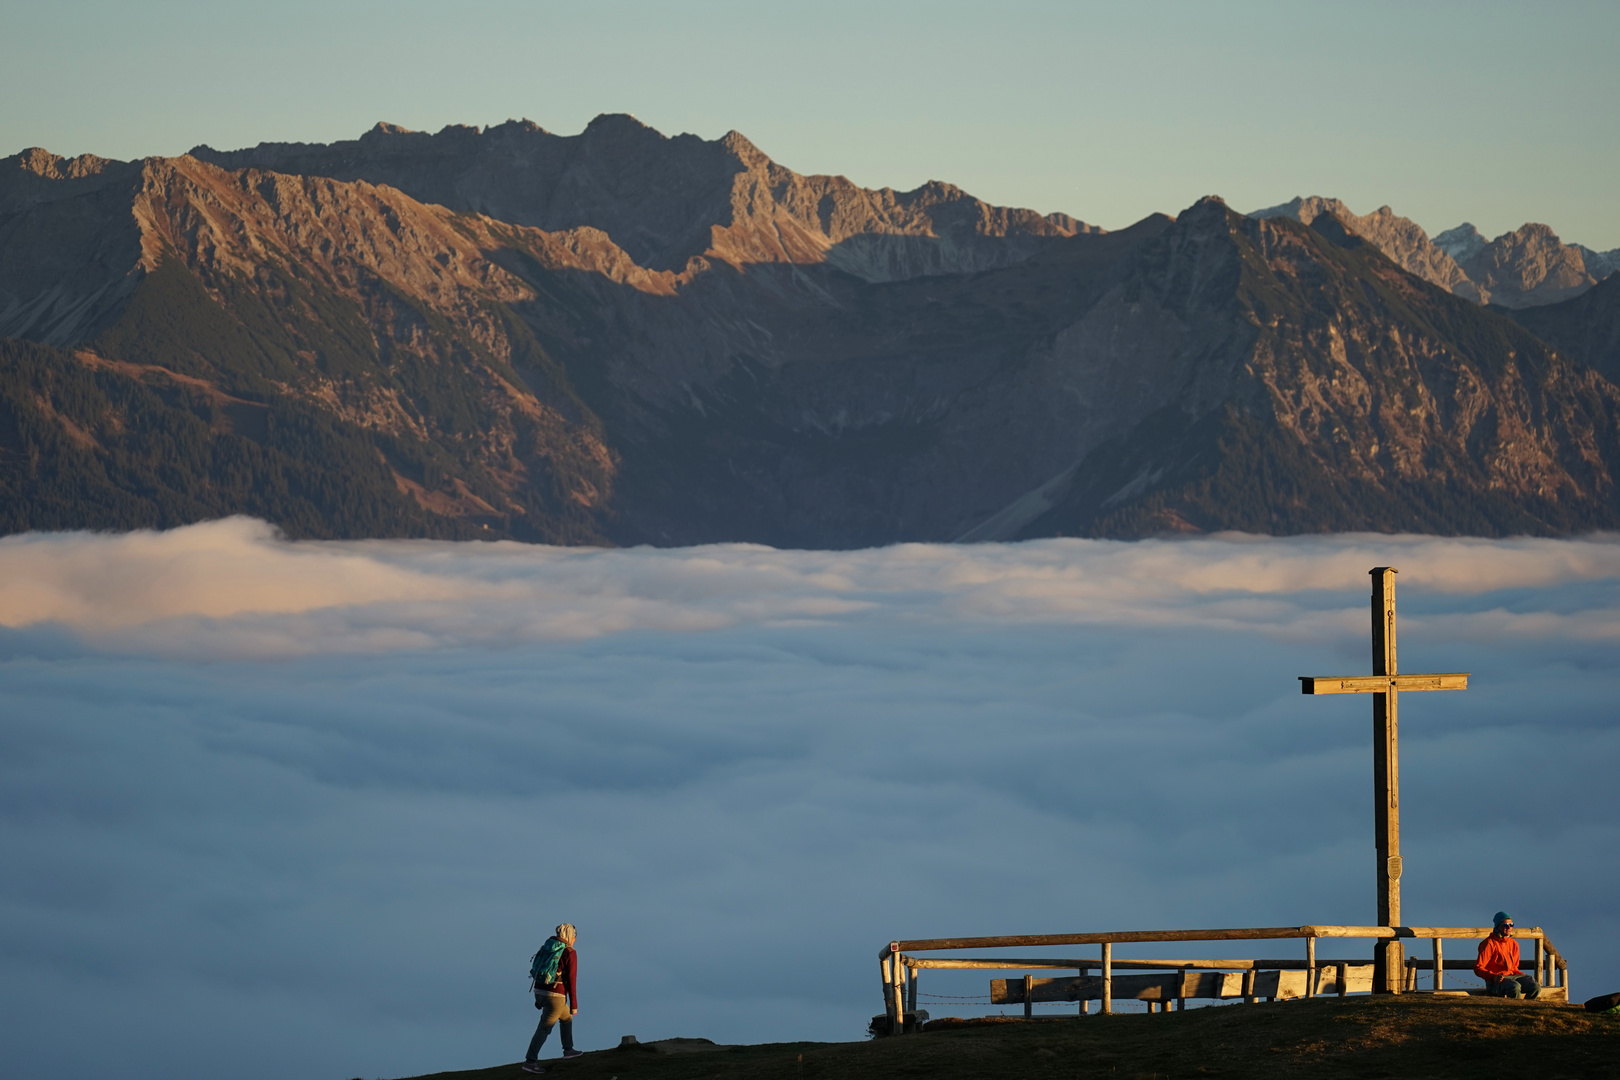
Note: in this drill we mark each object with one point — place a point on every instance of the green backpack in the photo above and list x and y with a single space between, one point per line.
545 964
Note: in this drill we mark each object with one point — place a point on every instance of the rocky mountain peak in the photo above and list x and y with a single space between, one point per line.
524 126
1461 242
1402 239
620 127
42 163
1600 264
1529 266
1304 209
744 150
1533 234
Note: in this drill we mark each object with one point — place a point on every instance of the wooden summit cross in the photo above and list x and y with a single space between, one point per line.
1385 687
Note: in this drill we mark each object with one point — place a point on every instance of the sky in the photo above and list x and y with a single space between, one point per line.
1491 112
273 809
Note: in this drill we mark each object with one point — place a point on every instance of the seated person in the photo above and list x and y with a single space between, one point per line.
1498 963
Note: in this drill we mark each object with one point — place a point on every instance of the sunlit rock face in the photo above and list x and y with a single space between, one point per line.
618 337
1531 266
668 200
1523 268
1402 239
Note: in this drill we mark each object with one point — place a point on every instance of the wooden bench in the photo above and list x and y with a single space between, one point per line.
1334 978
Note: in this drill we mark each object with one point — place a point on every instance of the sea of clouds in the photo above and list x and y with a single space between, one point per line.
273 808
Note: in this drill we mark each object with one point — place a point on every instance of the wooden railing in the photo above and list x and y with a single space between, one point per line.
1183 979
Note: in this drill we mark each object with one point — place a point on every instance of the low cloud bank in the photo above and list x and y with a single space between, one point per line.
234 588
306 809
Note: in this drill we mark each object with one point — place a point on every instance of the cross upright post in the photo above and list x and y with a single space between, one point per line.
1385 685
1389 956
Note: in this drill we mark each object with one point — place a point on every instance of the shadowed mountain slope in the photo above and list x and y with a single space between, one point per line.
1587 328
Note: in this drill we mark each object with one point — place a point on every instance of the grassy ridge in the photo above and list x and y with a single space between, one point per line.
1325 1039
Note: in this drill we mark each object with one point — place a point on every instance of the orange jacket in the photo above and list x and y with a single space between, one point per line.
1497 957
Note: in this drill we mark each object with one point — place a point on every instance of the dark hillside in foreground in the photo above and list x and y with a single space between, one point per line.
1325 1039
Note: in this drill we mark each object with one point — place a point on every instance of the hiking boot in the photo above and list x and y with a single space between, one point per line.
573 1053
533 1067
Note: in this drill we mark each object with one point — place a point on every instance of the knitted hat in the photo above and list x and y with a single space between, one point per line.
1501 917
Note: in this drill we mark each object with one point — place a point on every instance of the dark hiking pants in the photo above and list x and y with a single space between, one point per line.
553 1012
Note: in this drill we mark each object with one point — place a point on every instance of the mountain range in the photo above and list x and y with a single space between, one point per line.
620 337
1519 269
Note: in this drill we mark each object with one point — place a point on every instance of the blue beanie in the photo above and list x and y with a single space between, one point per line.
1501 917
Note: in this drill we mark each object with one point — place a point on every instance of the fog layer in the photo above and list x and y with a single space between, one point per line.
306 808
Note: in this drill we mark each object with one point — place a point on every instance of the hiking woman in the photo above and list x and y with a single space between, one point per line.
553 970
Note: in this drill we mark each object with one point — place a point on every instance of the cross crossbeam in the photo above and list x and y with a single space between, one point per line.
1381 684
1385 685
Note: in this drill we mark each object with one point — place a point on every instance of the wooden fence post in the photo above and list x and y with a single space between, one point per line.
911 991
1439 963
1249 978
1344 978
1029 997
1181 990
899 996
1080 996
1310 967
1108 977
888 989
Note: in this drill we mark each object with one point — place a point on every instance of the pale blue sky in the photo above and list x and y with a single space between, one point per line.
1490 112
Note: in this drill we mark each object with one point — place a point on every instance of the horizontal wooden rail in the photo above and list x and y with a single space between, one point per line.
1527 933
1033 940
1241 934
1456 965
